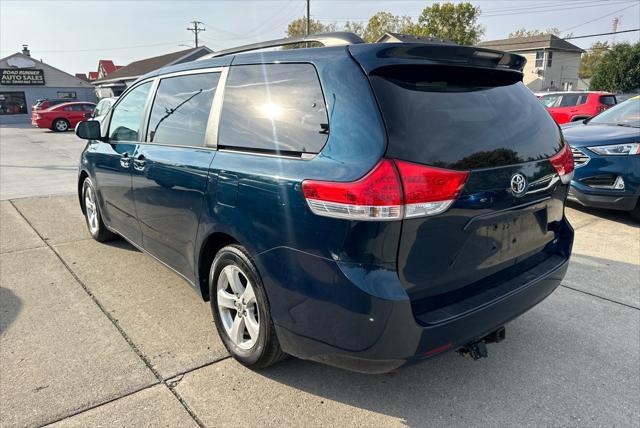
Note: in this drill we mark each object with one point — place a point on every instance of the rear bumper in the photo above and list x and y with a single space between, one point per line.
362 320
611 200
404 341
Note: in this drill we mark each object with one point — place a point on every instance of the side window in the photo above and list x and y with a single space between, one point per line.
181 109
127 116
608 100
539 58
88 107
569 100
549 58
68 108
275 108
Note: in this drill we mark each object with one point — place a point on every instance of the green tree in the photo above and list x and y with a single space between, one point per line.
591 58
354 27
383 22
298 27
457 22
523 32
618 69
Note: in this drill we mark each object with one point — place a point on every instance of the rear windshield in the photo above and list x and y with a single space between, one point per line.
462 119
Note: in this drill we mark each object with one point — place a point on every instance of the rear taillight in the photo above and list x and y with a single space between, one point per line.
392 190
563 163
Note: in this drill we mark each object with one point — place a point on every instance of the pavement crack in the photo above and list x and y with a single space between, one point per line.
577 290
113 321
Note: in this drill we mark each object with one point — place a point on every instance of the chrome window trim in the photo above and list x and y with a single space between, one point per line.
302 157
211 133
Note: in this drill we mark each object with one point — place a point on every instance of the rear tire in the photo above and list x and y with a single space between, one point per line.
241 310
60 125
92 216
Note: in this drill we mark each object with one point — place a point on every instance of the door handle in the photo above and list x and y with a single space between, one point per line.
125 160
139 163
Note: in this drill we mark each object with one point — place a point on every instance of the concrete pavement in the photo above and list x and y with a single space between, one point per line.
102 335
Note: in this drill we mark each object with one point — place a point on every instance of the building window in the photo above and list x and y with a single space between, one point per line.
13 103
67 95
549 58
539 59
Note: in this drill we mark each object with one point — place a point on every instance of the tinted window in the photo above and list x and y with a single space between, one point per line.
126 119
463 119
273 107
569 100
608 100
181 109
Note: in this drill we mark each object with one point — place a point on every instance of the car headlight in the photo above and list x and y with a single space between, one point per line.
617 149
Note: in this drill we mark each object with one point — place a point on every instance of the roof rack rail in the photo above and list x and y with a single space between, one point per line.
339 38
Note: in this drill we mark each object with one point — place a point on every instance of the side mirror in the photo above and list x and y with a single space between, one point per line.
88 115
89 130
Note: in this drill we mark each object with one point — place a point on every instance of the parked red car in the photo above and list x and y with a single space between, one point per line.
62 117
573 106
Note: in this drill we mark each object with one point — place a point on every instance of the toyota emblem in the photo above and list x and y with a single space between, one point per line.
518 184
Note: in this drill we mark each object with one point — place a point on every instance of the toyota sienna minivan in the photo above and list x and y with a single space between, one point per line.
363 205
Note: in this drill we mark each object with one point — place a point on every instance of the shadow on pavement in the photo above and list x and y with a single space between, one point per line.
119 242
612 215
10 306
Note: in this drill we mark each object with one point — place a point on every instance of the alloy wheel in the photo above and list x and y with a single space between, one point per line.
237 307
91 210
61 125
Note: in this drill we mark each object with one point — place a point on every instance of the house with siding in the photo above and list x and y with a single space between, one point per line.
552 63
116 82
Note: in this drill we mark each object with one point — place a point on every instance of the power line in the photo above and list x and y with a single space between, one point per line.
195 30
600 17
106 49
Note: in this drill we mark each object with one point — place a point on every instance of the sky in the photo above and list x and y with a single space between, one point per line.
74 35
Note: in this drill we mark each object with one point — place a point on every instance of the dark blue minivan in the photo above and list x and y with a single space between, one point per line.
362 205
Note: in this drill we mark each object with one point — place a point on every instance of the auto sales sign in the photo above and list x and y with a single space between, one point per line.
21 76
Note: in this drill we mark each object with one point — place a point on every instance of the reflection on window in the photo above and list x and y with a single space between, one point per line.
127 116
181 109
12 103
274 107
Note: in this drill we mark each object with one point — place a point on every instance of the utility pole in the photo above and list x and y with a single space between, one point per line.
196 29
308 18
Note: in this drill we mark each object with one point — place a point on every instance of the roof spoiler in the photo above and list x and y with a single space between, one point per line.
325 39
373 56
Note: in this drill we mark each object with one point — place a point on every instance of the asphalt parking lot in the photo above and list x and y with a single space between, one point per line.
101 335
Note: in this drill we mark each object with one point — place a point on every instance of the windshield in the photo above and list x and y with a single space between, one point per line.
624 114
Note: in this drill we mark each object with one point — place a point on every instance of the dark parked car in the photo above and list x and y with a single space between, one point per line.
362 205
607 157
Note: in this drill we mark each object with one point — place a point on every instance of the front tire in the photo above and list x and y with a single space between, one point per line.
241 310
60 125
96 227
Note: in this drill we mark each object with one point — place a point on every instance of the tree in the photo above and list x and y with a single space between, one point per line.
591 58
383 22
523 32
618 69
298 27
457 22
354 27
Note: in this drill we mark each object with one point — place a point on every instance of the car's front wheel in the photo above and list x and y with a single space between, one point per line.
241 310
96 227
60 125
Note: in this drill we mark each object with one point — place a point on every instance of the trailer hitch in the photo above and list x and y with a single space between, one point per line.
478 350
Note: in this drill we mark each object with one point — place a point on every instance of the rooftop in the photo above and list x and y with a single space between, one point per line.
517 44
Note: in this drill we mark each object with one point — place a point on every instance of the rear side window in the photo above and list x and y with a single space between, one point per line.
181 108
273 108
608 100
463 118
569 100
126 119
